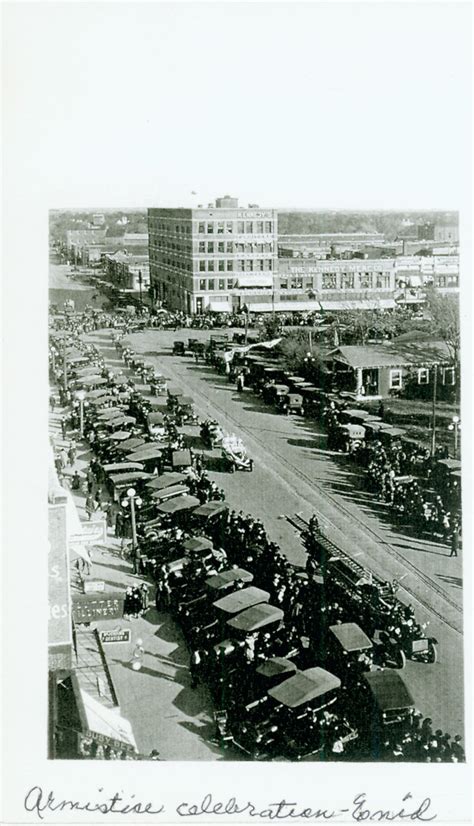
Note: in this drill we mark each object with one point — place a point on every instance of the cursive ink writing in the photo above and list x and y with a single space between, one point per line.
39 802
362 812
43 803
273 811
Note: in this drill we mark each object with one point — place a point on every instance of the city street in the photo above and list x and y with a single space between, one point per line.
293 473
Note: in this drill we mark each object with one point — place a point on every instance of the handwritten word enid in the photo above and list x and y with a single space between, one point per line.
45 803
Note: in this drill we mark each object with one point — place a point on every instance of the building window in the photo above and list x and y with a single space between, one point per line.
259 227
386 282
210 246
220 227
259 264
229 227
202 266
221 266
210 228
210 265
201 228
269 264
283 283
448 376
365 280
268 226
221 283
395 379
347 281
230 266
249 227
230 283
202 246
308 282
452 281
202 284
423 375
441 281
240 227
221 247
329 281
239 247
229 246
211 284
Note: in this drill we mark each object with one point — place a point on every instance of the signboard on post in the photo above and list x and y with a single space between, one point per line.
93 586
88 607
119 635
92 533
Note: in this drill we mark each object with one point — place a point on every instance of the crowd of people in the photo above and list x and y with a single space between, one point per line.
238 540
403 475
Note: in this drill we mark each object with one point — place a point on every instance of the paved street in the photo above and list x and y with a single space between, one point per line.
294 473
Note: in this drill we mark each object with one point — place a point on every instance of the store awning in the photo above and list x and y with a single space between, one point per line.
220 306
297 306
361 304
105 721
257 280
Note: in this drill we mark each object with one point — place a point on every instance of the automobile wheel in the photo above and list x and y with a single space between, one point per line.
400 659
432 655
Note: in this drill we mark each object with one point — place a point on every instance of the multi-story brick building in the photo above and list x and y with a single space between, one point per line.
217 258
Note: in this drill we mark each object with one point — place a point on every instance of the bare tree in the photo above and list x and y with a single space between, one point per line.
445 324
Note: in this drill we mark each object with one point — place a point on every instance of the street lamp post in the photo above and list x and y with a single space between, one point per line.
456 427
433 414
133 500
80 395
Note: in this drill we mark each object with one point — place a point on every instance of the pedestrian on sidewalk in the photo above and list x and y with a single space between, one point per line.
90 481
98 497
52 403
195 667
137 656
63 427
90 506
145 597
454 539
71 454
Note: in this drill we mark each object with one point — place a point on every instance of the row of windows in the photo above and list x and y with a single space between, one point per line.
241 227
177 265
213 227
161 226
170 245
231 247
396 377
209 284
343 281
238 264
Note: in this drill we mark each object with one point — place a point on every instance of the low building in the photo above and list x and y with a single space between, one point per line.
379 371
128 272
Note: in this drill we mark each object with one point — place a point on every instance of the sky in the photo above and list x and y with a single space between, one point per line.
282 104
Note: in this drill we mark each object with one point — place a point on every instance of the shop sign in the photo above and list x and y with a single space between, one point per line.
121 635
59 620
92 745
93 585
91 533
87 608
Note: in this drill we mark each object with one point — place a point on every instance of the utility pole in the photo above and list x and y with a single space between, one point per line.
310 334
64 364
140 282
433 412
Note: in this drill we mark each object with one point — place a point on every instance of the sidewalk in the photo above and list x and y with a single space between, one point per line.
165 712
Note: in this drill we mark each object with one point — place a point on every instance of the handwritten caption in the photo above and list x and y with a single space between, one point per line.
44 803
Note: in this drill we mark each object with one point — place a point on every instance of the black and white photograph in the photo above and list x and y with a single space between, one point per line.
238 425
